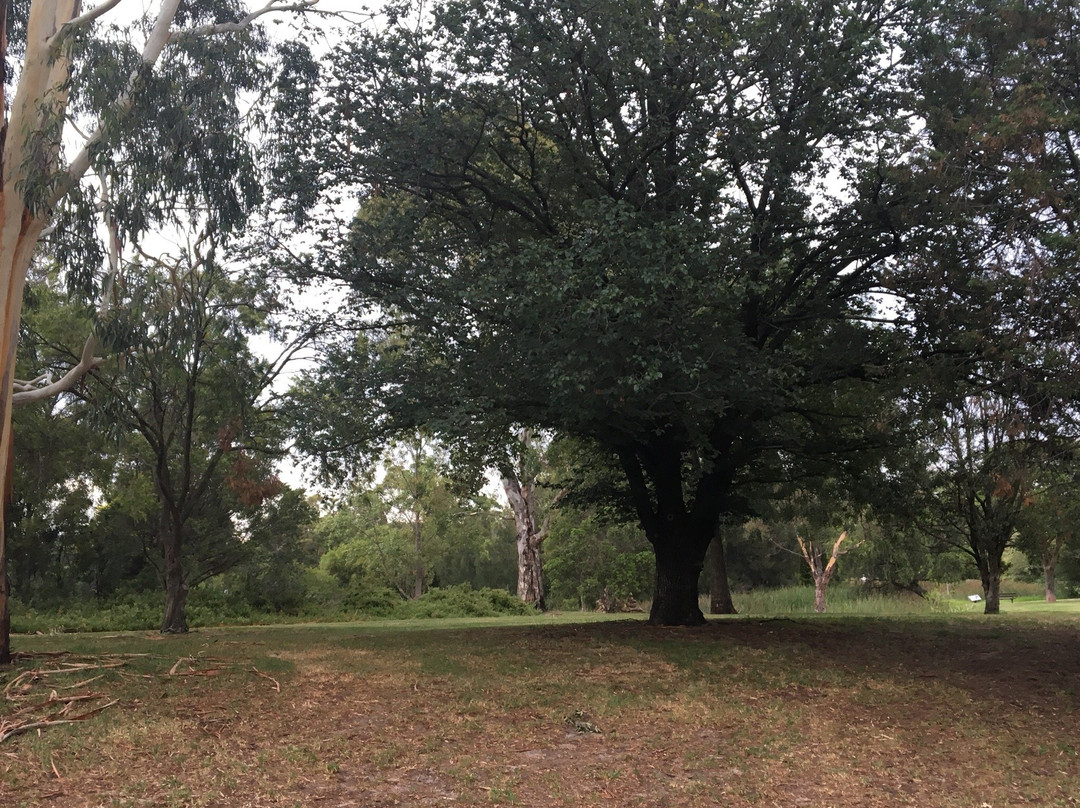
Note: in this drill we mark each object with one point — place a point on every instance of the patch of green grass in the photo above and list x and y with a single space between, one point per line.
1038 605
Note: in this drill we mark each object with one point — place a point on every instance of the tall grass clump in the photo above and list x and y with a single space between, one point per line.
841 599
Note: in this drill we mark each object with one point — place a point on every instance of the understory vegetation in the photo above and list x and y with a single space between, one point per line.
213 606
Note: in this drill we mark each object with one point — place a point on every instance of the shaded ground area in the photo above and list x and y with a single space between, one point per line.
964 712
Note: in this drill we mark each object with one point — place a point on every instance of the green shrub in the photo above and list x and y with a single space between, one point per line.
372 602
124 613
462 601
212 605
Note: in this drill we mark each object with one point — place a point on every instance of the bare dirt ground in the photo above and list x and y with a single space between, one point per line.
972 713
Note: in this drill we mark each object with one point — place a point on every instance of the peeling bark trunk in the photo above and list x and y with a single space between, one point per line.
820 570
530 584
719 590
176 590
1051 554
1050 579
43 75
820 585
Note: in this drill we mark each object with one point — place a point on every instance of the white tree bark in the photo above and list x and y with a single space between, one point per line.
820 570
530 587
39 95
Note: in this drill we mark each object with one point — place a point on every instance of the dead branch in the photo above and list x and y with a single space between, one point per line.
25 680
8 730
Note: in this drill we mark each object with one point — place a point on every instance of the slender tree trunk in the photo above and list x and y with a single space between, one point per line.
5 609
719 589
530 584
176 589
419 573
1050 578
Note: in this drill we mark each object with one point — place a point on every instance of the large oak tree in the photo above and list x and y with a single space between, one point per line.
656 226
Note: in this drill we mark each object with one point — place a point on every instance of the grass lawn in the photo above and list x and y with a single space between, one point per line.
957 710
1071 605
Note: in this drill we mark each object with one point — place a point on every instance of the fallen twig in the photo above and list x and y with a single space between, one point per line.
83 682
277 684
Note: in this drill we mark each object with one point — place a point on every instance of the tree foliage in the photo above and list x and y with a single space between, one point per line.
186 382
170 76
657 229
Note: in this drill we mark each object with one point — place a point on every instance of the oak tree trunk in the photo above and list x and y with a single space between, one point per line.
679 523
675 595
719 590
991 583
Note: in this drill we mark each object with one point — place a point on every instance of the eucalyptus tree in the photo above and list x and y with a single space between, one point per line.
654 226
58 458
416 529
520 475
187 382
151 108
